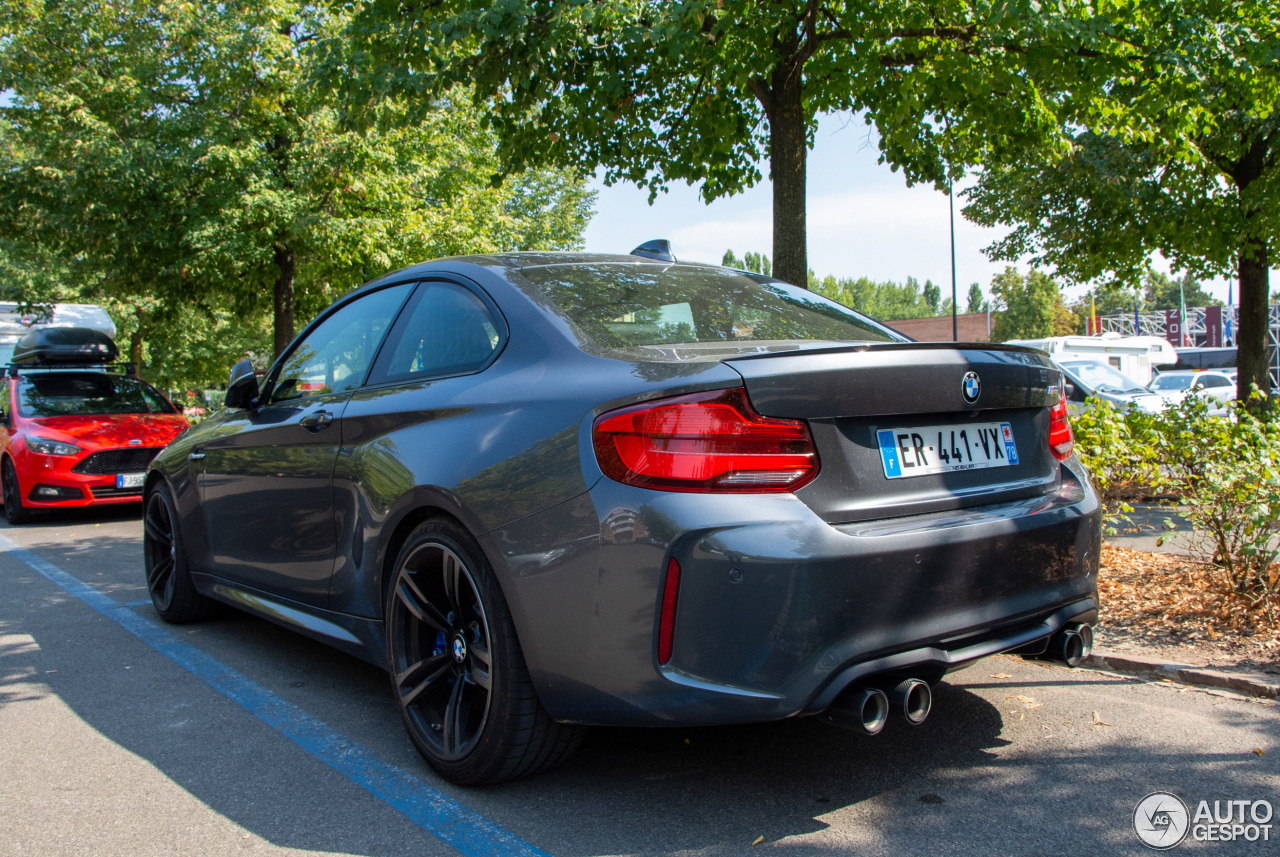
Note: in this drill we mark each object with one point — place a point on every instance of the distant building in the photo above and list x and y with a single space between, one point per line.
974 327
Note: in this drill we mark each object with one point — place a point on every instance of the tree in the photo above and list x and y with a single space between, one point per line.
731 261
705 91
1163 292
932 296
183 153
1187 164
887 301
1032 307
977 300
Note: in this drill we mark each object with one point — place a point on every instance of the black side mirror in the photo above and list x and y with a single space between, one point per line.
1068 389
242 387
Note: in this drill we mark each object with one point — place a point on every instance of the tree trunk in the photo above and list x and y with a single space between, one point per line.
1252 327
282 322
135 342
788 149
135 350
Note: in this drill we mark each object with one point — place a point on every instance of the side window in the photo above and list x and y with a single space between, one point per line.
1216 381
445 330
336 355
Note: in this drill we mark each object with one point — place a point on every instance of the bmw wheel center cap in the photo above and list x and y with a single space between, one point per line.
971 387
459 649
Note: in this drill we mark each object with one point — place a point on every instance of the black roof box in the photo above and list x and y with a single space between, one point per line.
54 346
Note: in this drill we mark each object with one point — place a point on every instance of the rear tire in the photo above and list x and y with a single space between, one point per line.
14 512
458 675
164 558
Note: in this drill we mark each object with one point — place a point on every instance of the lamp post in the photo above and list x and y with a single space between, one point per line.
955 321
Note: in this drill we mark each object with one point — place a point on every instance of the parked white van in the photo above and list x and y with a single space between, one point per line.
1133 356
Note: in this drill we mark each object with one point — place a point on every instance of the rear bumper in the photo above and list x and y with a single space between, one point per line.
779 611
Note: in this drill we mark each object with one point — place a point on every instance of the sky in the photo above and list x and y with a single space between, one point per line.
863 220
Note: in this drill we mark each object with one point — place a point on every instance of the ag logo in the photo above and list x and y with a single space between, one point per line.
1161 820
971 387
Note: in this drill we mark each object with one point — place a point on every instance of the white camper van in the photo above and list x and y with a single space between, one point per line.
1133 356
13 324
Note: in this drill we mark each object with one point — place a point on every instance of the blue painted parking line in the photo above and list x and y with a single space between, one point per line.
434 811
141 603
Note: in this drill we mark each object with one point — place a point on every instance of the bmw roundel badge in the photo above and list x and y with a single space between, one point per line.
971 387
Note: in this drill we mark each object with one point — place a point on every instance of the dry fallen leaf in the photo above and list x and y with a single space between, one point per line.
1022 715
1001 675
1163 598
1027 701
759 839
1097 721
1257 751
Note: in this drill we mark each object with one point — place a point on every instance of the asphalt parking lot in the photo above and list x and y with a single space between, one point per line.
119 735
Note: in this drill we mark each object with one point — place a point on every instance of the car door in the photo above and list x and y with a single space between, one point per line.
446 334
1218 387
266 478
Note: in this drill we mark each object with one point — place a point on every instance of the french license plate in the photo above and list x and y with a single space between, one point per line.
130 480
945 449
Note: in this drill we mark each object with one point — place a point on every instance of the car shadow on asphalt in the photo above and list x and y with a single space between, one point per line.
711 790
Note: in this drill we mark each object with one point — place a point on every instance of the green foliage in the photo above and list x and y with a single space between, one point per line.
707 91
1225 470
1163 292
1122 451
977 300
757 262
932 297
886 301
731 261
1032 307
1181 157
178 161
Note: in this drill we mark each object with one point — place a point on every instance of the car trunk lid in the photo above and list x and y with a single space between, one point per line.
850 394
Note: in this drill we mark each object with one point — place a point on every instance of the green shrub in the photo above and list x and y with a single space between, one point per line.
1122 451
1225 470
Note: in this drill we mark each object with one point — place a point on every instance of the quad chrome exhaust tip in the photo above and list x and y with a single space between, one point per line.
861 709
912 698
1070 646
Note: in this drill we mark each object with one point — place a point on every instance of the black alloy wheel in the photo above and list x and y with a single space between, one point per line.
443 668
14 511
168 579
457 672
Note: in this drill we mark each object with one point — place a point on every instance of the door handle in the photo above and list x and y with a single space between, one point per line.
317 421
195 456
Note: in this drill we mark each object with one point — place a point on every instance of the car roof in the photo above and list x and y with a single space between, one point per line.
502 263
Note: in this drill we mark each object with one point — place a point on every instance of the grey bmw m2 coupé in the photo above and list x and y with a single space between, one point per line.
547 490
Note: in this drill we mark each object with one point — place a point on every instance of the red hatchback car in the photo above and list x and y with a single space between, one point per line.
73 432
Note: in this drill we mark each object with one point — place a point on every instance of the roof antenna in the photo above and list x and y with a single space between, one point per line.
658 248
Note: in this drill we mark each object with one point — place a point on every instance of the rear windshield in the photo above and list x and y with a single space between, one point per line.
624 306
1171 382
1104 379
65 394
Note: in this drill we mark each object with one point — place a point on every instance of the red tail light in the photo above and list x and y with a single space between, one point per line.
1061 440
704 442
667 620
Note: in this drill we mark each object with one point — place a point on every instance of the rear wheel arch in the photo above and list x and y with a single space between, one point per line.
413 508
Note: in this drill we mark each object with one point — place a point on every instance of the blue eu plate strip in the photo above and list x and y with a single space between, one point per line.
889 454
432 810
